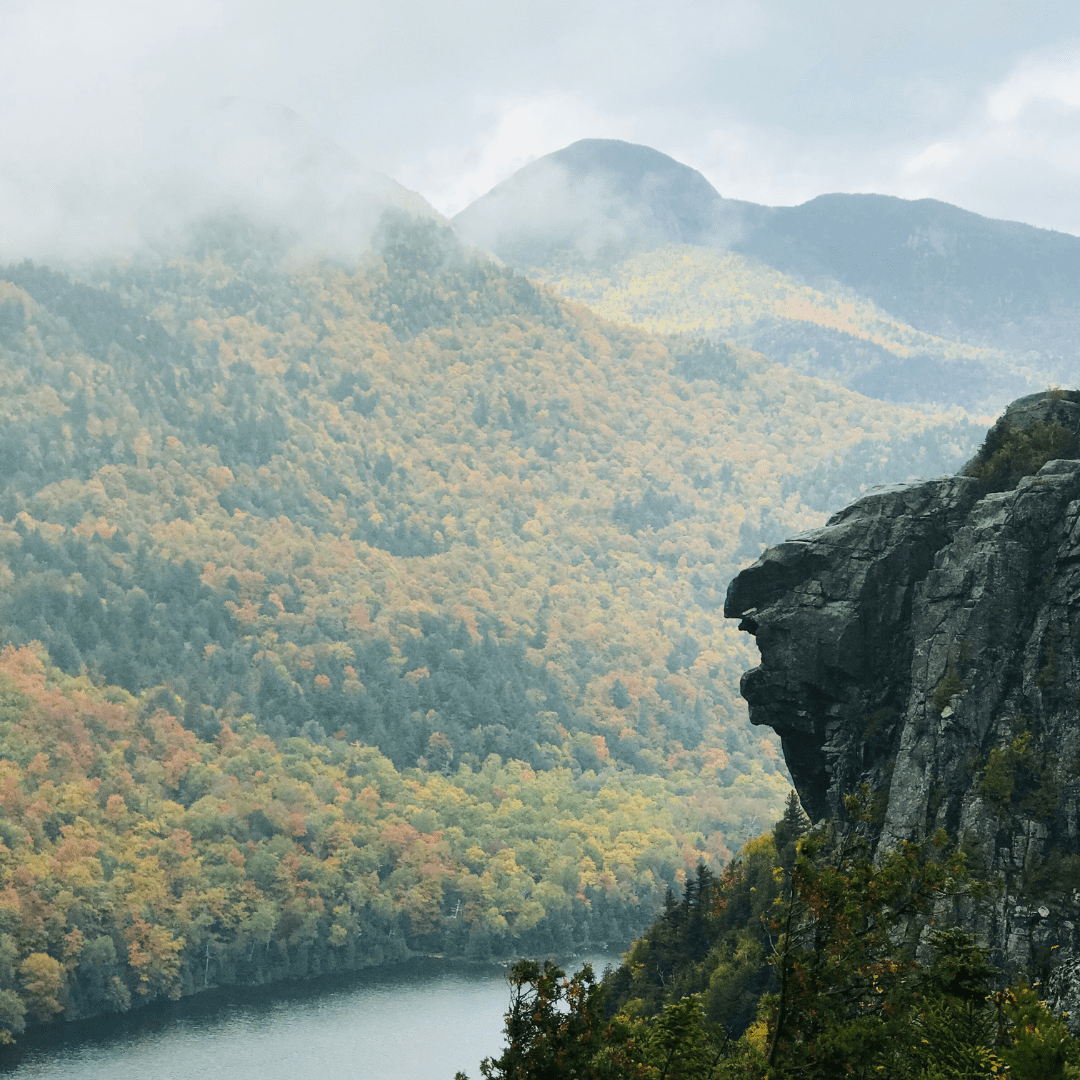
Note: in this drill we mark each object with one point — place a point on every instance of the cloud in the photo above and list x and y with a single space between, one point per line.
233 158
773 101
124 121
1018 156
1033 84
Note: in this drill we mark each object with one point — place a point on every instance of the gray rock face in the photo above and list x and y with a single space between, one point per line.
926 642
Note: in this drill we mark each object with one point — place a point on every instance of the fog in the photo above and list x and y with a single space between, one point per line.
234 158
115 131
600 198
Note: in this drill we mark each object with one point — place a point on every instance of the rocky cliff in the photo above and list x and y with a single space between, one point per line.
926 642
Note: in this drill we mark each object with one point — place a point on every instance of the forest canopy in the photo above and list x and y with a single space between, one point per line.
421 527
425 498
139 862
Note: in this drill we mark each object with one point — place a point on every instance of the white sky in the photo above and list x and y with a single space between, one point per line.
976 103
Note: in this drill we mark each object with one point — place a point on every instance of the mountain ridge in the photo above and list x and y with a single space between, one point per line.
943 271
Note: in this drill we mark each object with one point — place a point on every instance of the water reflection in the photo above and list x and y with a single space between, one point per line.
420 1021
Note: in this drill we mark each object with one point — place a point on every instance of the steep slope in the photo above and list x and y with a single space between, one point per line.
424 505
925 643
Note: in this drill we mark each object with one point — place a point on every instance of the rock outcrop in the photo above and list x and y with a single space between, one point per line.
926 642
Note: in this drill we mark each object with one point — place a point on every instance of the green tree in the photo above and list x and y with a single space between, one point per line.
789 829
676 1044
850 997
1036 1044
845 952
12 1016
553 1027
951 1029
43 982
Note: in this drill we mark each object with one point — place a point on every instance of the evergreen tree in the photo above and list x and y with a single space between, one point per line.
847 996
787 831
553 1026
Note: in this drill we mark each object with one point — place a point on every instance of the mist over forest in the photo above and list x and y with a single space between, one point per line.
374 571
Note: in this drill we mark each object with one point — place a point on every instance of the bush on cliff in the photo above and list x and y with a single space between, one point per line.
1010 454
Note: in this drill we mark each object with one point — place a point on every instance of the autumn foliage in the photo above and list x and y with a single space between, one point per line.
423 504
139 862
380 608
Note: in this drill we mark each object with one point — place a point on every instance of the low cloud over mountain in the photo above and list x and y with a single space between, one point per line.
237 158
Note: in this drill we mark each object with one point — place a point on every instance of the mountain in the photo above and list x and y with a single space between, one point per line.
360 595
598 198
422 498
924 643
350 610
619 226
943 270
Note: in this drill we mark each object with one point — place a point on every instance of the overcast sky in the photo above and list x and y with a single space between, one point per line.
775 101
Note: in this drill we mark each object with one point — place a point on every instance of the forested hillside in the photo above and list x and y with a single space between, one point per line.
426 498
823 330
139 862
423 513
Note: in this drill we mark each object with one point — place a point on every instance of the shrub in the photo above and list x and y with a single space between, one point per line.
1010 454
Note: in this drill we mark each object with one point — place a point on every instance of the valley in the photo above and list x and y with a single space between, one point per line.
426 513
357 608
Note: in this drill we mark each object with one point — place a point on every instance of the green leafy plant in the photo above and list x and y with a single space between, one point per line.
1010 454
999 776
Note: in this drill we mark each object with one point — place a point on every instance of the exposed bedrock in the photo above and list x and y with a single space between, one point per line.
926 642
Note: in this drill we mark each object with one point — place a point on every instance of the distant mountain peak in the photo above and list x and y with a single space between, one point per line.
597 197
618 158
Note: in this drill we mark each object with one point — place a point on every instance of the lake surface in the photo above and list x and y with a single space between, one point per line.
420 1021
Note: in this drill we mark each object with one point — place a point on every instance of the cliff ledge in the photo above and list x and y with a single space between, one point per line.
926 642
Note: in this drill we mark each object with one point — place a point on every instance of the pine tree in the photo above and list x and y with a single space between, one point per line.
787 831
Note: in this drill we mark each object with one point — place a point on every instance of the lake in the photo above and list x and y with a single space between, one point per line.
422 1020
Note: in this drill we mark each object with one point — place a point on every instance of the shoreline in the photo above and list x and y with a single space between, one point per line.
153 1015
